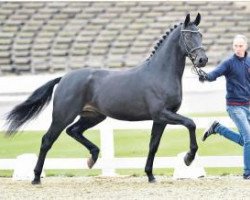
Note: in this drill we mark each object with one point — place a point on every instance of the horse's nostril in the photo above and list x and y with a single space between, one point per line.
203 60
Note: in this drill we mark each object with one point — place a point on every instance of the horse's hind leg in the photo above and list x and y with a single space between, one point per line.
157 131
85 122
48 139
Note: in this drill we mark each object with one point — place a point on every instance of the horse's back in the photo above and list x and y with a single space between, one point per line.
115 93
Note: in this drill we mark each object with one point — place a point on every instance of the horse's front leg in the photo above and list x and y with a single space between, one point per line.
174 118
156 134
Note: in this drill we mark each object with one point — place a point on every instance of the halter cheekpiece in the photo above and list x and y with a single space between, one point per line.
190 52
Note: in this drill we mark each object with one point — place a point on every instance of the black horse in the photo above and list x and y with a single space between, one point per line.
150 91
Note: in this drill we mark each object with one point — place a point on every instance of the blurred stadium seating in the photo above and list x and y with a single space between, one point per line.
37 37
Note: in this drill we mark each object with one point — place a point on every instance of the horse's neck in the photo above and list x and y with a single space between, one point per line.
169 60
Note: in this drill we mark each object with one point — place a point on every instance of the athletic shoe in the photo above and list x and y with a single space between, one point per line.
246 177
210 130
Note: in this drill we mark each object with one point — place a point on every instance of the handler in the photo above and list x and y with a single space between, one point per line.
236 70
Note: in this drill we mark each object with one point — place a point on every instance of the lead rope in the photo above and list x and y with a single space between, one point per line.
196 71
199 72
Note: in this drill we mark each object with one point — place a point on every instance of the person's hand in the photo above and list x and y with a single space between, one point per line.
202 76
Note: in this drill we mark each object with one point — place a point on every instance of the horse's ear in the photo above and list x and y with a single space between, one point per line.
197 20
187 20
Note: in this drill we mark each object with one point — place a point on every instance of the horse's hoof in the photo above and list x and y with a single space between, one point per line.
188 159
36 182
151 180
94 156
90 163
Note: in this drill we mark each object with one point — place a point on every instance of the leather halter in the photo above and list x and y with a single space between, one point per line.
190 53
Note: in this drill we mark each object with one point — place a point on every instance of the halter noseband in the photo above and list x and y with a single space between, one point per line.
190 52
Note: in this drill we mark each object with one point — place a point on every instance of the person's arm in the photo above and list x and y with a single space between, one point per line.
220 70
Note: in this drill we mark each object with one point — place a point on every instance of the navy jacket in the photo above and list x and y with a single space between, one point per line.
237 73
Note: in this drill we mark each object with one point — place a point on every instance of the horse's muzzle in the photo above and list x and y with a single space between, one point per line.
201 61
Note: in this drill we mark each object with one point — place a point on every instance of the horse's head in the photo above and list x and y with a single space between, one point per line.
191 42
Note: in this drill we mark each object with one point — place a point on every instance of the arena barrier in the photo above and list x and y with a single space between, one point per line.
108 163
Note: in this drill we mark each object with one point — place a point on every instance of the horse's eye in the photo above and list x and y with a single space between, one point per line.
187 36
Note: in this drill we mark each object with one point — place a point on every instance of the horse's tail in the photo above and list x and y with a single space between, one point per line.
30 108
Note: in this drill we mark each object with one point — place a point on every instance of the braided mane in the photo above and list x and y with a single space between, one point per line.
164 37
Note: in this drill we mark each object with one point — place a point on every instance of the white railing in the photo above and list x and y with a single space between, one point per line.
127 163
108 163
23 166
